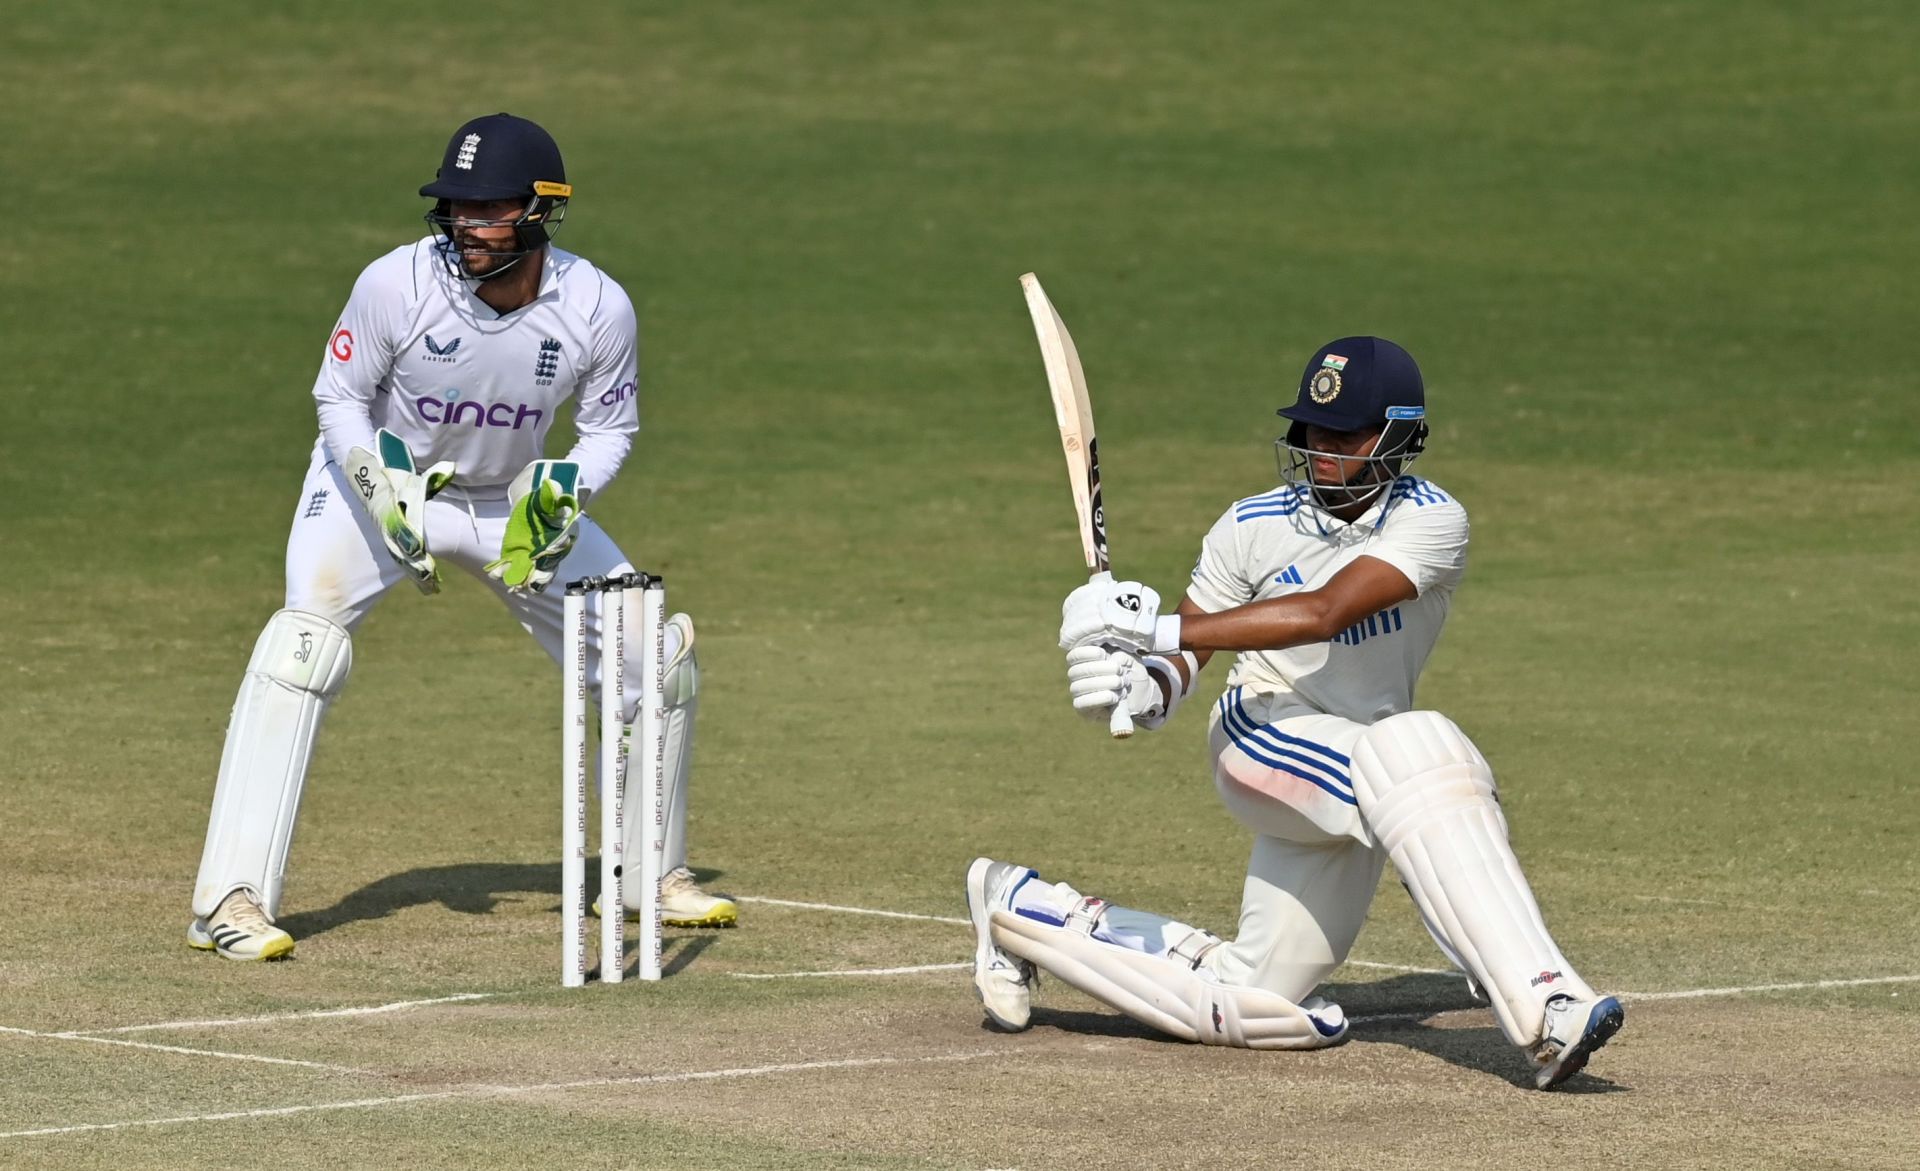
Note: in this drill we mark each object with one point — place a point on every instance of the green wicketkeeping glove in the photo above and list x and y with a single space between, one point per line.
542 526
395 494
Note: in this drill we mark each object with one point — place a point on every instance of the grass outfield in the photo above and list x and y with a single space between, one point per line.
1655 263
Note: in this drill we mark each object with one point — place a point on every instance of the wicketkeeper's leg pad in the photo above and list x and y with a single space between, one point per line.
1172 991
682 695
1429 797
299 664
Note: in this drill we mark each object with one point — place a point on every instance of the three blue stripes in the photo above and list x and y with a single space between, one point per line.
1314 763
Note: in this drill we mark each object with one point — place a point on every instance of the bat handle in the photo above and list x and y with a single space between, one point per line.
1120 727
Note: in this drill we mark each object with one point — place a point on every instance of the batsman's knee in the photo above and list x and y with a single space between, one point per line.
1415 763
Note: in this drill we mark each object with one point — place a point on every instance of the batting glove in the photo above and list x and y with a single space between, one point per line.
1113 614
1100 679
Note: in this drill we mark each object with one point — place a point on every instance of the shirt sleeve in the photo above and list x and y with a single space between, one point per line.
1427 542
1219 581
607 406
360 353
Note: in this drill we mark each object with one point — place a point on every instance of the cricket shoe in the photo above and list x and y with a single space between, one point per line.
684 904
1003 982
1574 1029
238 929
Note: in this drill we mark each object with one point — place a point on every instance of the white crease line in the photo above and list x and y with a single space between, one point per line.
195 1052
481 1091
1399 968
1700 993
963 923
851 972
850 910
1684 994
314 1014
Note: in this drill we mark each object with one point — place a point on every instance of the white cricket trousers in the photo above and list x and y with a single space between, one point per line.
338 567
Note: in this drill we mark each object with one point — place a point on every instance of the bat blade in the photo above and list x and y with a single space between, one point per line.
1073 411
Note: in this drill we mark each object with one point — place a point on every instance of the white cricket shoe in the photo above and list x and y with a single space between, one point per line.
684 904
1574 1029
238 929
1003 982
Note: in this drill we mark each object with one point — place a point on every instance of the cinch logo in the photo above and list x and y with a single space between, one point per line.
618 394
454 411
342 344
1385 622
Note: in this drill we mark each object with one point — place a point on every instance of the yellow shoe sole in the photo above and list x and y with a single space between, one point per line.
273 951
723 916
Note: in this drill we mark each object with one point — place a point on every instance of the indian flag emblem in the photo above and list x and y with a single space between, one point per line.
1333 362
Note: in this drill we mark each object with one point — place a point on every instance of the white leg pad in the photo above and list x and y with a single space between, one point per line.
299 664
1429 797
682 694
1173 992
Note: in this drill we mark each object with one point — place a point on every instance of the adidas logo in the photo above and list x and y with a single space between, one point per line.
1291 576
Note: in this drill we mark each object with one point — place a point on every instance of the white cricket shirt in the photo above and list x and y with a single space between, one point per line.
417 353
1277 543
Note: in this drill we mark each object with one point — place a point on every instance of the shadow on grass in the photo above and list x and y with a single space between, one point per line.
1407 1001
469 888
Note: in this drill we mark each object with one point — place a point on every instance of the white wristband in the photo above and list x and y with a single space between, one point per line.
1166 634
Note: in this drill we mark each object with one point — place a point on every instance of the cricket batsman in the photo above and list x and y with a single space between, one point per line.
1330 591
454 356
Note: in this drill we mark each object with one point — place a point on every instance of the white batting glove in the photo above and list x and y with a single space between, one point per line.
396 496
1118 614
1100 679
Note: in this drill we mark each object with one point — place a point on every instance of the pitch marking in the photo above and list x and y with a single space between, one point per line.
851 972
849 910
483 1091
194 1052
269 1018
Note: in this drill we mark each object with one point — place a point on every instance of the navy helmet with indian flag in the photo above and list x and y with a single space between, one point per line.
499 157
1356 384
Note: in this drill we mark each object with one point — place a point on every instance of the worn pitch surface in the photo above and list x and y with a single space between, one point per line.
1655 263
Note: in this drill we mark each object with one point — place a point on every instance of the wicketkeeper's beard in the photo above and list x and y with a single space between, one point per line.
480 259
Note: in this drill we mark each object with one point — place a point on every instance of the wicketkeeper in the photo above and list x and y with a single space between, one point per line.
1331 591
450 363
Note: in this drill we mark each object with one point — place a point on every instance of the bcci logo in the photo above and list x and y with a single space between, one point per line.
1324 386
469 146
548 363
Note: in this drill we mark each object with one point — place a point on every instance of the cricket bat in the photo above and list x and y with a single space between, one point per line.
1073 411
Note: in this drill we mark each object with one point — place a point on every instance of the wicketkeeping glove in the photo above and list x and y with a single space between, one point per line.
395 494
542 526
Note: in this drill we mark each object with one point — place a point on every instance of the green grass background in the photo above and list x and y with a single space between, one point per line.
1655 260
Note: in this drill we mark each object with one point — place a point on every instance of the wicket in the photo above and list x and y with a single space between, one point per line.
616 765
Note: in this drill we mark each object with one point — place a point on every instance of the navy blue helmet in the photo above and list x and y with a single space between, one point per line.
1356 384
498 157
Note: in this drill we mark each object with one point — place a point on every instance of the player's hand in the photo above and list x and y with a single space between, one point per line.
395 494
541 527
1114 614
1100 679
